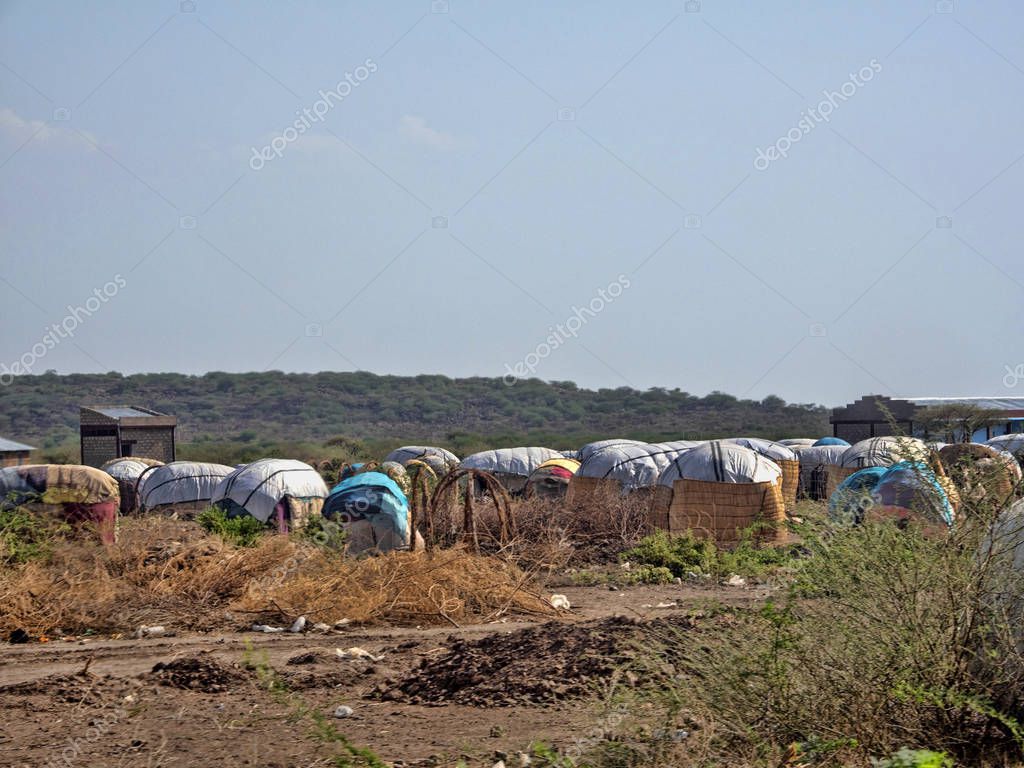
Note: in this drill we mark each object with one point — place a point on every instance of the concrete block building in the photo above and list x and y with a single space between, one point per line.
112 431
13 454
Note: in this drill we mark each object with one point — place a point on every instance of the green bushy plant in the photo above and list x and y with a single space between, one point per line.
242 531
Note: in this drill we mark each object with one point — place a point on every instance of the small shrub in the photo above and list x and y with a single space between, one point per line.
677 554
915 758
26 536
649 574
242 531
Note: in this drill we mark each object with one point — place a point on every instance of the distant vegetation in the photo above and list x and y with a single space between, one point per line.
242 416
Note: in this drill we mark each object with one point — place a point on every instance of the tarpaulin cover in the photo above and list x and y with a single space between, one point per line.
590 449
257 488
126 469
180 482
1012 443
632 465
373 511
408 452
767 448
913 486
510 461
831 441
720 462
58 484
797 442
883 452
569 465
853 496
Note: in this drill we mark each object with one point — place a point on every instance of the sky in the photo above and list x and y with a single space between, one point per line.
813 200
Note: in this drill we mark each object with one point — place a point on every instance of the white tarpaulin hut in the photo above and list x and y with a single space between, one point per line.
441 460
183 487
512 466
127 472
718 491
284 492
620 468
782 455
590 449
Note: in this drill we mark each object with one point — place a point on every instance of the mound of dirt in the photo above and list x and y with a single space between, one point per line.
536 665
78 688
196 673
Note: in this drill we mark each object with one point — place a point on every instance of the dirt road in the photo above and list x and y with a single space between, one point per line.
207 706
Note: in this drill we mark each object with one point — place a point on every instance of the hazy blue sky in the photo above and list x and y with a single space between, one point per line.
569 146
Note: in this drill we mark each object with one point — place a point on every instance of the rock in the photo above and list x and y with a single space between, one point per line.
321 627
499 764
524 760
343 711
342 623
298 625
145 631
612 588
736 581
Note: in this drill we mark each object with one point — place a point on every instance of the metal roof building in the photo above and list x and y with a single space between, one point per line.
877 415
114 431
13 454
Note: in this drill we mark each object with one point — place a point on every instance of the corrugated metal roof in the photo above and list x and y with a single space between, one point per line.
11 445
122 412
995 403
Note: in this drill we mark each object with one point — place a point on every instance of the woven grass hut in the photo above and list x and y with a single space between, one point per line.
84 497
617 470
718 491
814 464
782 455
511 466
551 479
283 493
179 489
980 472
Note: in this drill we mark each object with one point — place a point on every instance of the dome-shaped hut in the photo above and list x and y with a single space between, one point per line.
814 464
782 455
718 491
910 490
281 492
980 472
441 460
831 441
551 479
373 512
796 442
84 497
617 470
511 466
1012 443
589 449
179 489
127 471
876 452
852 498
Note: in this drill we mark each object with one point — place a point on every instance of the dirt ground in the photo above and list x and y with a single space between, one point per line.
482 692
